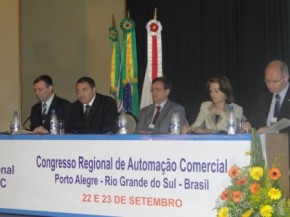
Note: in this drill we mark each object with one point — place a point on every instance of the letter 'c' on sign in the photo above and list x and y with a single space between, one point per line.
2 183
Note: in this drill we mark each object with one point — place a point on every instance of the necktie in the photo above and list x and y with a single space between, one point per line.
87 113
43 112
156 114
277 105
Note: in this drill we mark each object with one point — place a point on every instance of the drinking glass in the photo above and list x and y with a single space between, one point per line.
61 127
239 126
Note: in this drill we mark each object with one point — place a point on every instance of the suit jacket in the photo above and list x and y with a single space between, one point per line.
162 125
63 112
259 114
206 117
102 118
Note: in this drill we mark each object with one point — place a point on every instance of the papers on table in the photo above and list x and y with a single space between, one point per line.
283 123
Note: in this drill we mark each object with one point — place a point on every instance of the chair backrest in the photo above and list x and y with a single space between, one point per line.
132 122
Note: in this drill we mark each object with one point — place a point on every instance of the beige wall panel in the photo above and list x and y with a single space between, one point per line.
9 61
99 20
66 39
53 43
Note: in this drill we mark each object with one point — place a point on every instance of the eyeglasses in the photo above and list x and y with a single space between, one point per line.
273 82
156 89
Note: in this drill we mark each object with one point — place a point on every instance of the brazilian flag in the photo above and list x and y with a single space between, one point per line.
128 91
115 61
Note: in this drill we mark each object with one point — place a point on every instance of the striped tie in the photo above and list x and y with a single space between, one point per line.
43 112
277 105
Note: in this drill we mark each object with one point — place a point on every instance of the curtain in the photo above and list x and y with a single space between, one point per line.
236 38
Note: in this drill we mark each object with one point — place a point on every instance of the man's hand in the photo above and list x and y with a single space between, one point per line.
40 130
262 129
247 126
185 129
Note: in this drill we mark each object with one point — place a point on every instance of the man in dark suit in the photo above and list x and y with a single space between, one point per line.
273 105
41 111
155 118
92 113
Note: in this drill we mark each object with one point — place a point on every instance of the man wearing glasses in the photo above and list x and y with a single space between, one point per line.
155 118
273 105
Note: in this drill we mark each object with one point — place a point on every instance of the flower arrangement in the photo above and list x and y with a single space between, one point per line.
254 190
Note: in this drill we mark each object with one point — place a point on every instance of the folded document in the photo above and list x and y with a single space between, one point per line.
280 125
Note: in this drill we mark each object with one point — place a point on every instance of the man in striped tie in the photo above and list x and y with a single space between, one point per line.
274 104
47 101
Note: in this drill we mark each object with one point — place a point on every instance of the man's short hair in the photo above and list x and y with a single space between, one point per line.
47 80
88 80
166 82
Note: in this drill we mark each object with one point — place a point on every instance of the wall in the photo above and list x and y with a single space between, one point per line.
66 39
9 61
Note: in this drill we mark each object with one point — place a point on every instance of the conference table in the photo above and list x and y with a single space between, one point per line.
119 175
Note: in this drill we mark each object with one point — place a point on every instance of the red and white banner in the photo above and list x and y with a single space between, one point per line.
154 60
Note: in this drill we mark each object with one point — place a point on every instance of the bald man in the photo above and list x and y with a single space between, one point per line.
274 104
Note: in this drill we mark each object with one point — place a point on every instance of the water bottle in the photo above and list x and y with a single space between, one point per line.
232 121
175 122
123 123
53 123
15 124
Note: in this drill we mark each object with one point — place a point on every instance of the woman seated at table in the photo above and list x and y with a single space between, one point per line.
213 115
